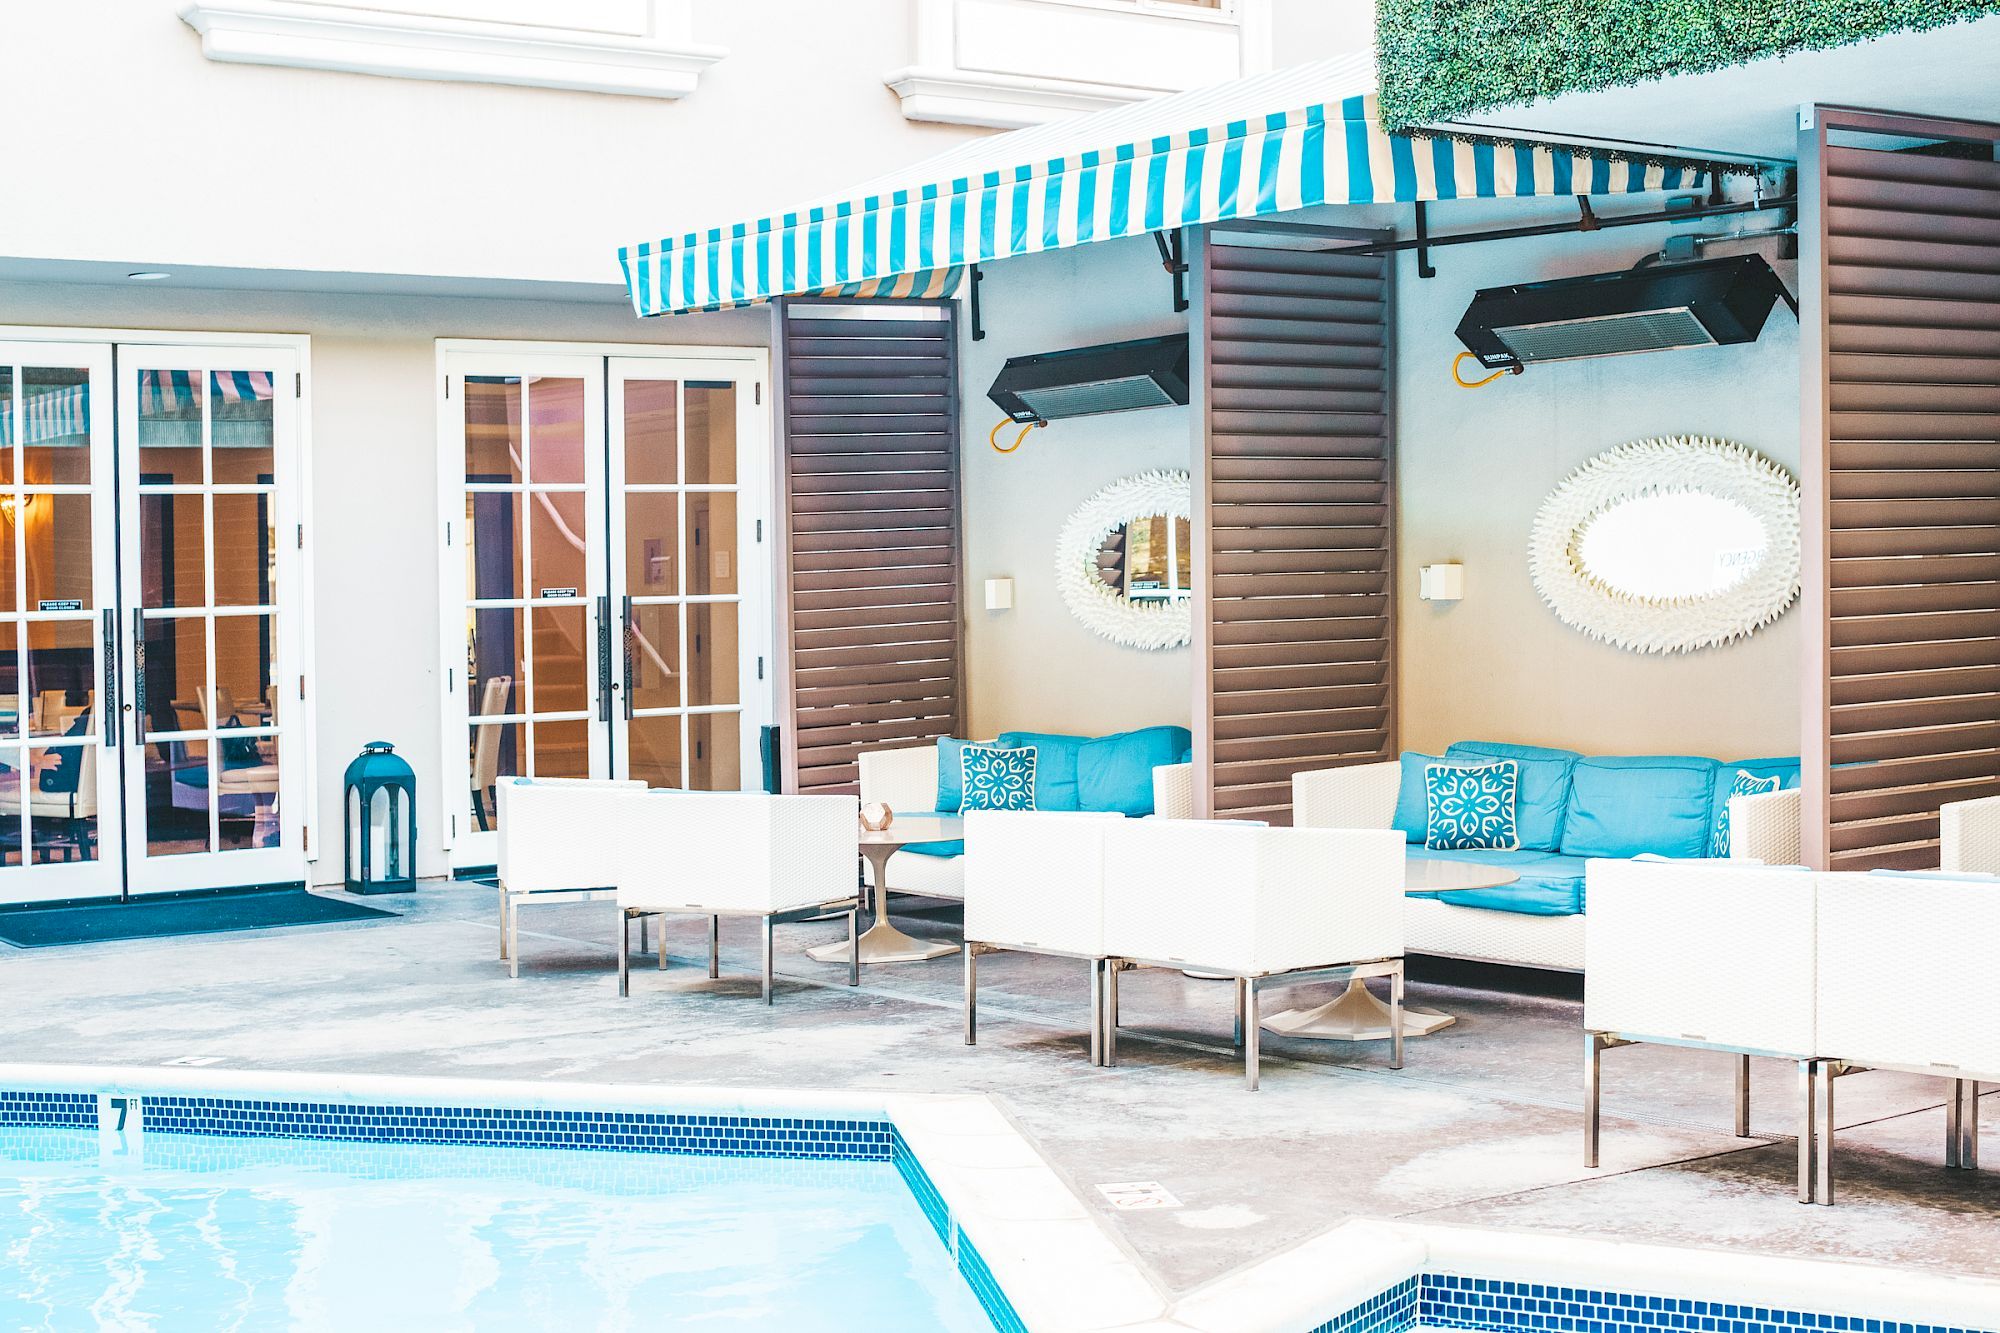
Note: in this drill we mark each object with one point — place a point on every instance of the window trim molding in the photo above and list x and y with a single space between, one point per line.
306 34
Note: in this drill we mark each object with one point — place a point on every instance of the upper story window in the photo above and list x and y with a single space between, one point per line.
1008 63
642 48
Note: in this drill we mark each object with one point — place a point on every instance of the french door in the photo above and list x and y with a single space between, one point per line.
149 619
604 536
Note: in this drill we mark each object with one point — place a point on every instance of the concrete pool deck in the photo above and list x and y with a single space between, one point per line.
1481 1128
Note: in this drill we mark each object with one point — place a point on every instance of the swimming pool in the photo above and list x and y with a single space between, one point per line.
187 1211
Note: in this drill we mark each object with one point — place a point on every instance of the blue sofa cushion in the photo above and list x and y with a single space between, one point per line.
1115 773
951 770
1472 805
1622 806
998 777
1055 766
1544 787
1412 805
955 847
1550 885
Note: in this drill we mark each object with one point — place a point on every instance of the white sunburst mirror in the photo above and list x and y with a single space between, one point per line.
1669 545
1122 561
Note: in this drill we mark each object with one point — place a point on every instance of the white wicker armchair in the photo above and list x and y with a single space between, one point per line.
1970 836
1270 907
1703 954
1034 883
557 839
1907 982
714 854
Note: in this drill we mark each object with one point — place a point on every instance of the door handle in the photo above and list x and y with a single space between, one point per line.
138 677
109 692
625 632
604 659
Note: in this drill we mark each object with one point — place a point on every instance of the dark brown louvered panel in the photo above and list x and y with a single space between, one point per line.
1296 647
872 639
1902 484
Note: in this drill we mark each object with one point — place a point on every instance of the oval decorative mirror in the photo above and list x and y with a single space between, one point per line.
1124 559
1669 545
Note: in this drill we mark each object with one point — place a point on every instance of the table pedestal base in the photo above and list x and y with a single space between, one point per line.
1356 1016
883 943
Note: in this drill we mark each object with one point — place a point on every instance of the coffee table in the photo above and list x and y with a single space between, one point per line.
882 942
1358 1015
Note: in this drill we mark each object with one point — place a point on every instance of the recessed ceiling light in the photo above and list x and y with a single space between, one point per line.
148 275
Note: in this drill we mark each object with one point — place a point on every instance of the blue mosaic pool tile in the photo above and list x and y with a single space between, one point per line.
75 1110
1499 1305
519 1127
1391 1311
971 1265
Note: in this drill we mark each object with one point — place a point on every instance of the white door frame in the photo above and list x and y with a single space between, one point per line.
468 847
299 818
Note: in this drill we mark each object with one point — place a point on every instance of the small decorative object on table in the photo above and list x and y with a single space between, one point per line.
876 816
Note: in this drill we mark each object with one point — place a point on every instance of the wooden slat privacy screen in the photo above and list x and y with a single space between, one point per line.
1294 665
870 615
1901 478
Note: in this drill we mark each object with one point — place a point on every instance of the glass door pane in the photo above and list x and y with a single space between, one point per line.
531 557
56 582
677 506
208 451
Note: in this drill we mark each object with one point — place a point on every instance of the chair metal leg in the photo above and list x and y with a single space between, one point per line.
1396 1018
503 923
1593 1086
624 952
1823 1156
1742 1096
1111 971
1808 1129
644 921
1251 1028
1961 1125
767 960
971 993
1097 1011
853 945
1237 1035
715 947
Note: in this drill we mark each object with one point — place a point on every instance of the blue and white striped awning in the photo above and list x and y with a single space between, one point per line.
1272 143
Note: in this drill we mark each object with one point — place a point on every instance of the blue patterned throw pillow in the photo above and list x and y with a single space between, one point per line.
1746 784
998 777
1472 805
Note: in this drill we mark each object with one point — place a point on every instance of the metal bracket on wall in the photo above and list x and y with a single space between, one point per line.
1173 258
1425 269
978 328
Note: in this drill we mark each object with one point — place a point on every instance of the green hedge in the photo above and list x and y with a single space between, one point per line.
1443 58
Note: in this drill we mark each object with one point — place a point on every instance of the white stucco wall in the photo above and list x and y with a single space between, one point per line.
1474 466
1037 667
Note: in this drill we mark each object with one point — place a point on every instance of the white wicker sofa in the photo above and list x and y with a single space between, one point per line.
1835 973
1117 774
1540 922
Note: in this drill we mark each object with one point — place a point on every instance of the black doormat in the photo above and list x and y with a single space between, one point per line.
41 925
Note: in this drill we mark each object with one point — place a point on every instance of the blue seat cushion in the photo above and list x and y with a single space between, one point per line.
1055 766
1551 884
1115 773
1543 793
955 847
1624 806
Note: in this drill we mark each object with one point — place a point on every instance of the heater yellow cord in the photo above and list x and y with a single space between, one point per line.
993 436
1464 383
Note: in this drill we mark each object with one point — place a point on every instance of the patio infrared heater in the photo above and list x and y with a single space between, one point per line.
1086 381
379 839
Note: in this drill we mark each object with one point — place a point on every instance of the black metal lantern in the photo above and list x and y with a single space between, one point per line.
379 844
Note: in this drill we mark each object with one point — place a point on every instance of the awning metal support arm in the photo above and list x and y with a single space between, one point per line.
978 328
1173 258
1425 269
1564 228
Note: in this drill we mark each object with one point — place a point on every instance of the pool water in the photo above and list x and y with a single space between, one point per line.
216 1233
